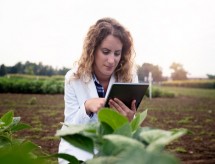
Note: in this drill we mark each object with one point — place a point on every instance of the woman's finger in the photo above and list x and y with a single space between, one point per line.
133 106
116 106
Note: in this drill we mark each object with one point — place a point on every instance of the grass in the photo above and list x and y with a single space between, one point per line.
185 120
50 138
193 92
180 150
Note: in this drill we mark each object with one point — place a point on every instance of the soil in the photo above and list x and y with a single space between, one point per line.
45 112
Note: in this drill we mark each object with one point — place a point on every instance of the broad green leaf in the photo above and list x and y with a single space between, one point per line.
28 147
157 138
67 157
91 130
16 120
12 155
80 141
18 141
73 129
7 118
137 121
19 126
138 156
117 144
112 118
104 129
123 150
124 130
136 134
78 129
1 123
157 157
4 141
104 160
152 135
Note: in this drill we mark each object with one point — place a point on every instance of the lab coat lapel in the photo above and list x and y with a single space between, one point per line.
112 80
92 92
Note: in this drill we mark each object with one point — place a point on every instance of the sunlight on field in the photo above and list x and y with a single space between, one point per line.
182 91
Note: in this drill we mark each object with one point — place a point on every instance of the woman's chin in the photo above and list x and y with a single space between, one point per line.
108 73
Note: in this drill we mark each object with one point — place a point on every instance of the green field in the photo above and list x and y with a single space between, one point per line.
184 91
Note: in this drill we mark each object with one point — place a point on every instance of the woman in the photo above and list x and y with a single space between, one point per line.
107 57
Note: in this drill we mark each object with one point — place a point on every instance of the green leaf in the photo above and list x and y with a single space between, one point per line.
16 120
19 126
117 144
67 157
1 123
140 130
75 129
7 118
123 150
112 118
80 141
104 129
137 121
28 146
152 135
124 130
157 138
157 157
103 160
4 141
15 155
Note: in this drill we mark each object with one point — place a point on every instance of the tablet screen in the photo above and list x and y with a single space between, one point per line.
126 92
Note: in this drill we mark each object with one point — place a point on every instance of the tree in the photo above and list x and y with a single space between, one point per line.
143 71
32 69
178 72
210 76
63 71
19 67
3 70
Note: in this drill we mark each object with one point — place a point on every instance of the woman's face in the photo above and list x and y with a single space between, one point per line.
107 57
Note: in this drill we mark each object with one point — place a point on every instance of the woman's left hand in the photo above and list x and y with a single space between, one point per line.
122 108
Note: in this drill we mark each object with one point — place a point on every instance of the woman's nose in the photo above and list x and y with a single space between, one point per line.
111 59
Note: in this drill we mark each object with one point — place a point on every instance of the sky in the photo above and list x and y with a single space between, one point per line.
164 31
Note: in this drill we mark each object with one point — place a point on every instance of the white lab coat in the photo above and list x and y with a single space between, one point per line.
76 92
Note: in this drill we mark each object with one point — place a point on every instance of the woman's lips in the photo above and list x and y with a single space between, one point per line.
109 67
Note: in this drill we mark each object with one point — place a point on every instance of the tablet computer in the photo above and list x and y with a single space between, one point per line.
126 92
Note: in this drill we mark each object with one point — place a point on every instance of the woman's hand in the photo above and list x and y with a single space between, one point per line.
122 108
94 105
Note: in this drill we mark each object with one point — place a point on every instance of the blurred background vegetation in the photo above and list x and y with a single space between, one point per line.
43 79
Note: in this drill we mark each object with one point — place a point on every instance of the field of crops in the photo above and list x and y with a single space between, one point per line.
195 83
193 109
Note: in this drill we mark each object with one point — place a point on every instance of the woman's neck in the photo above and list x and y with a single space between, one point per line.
104 81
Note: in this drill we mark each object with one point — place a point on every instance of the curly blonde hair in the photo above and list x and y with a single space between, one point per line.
96 34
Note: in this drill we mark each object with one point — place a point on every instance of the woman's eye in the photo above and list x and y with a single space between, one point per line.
105 52
117 53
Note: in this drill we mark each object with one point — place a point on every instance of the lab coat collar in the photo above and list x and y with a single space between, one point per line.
92 88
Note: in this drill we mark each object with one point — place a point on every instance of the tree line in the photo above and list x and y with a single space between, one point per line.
30 68
178 73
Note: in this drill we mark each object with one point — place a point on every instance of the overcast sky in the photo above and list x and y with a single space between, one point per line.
164 31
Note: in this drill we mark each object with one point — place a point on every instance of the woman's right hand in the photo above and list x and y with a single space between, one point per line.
94 105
